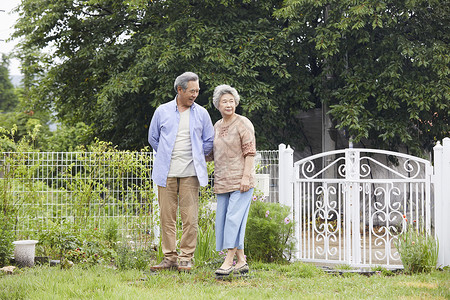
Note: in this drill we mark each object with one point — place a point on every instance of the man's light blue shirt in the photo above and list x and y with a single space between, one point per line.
163 132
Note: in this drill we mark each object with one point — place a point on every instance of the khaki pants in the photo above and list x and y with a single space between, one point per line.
183 193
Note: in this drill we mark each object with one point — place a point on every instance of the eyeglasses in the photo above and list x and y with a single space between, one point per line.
194 91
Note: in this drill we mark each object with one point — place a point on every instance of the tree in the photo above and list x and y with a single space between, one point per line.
381 66
384 65
16 115
118 60
8 98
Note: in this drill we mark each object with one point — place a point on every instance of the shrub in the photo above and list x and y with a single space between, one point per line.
418 250
80 256
58 239
6 239
76 255
111 234
269 232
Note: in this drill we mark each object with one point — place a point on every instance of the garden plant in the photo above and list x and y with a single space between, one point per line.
418 249
269 234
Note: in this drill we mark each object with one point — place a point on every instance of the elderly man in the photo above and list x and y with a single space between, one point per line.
181 132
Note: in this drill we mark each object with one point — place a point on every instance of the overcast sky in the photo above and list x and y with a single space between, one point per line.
7 20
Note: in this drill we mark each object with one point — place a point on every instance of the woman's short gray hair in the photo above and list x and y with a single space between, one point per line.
183 80
223 89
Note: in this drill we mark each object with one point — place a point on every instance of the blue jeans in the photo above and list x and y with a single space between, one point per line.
231 219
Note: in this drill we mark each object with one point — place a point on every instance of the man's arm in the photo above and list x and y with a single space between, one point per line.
154 131
207 134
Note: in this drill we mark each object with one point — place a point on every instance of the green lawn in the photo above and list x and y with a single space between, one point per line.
266 281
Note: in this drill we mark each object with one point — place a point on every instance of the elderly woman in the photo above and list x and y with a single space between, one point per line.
234 152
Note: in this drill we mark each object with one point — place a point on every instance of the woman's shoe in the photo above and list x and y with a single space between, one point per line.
224 272
242 270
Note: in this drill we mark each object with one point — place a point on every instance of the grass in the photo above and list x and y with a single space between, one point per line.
293 281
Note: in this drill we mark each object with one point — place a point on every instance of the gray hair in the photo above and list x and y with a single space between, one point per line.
183 80
223 89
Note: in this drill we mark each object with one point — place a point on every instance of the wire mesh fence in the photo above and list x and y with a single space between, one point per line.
89 189
267 164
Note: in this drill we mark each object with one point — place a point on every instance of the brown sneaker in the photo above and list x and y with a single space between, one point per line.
185 266
166 264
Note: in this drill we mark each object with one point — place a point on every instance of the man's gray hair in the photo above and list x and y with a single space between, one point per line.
223 89
183 80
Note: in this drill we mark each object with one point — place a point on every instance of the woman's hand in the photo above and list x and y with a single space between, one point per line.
245 184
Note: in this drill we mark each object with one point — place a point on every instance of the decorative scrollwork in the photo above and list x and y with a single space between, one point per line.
321 250
322 220
367 188
342 170
396 221
331 189
308 167
395 191
323 193
378 192
380 242
396 255
411 165
332 250
394 205
326 249
380 231
365 170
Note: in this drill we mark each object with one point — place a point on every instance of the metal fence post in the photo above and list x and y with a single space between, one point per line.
156 216
352 166
285 169
286 185
442 199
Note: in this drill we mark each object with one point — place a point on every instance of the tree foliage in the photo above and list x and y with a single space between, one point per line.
382 66
8 98
115 61
19 121
385 66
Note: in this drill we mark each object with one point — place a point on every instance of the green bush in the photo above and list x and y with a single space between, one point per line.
87 258
418 250
269 232
111 234
6 239
76 256
58 239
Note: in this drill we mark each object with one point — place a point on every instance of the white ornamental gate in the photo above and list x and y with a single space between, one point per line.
350 205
